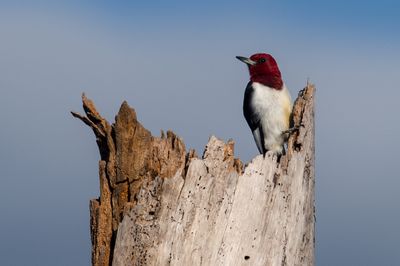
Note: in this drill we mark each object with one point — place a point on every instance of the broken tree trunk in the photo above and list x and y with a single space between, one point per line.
159 205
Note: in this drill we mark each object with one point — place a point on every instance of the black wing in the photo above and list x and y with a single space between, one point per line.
253 119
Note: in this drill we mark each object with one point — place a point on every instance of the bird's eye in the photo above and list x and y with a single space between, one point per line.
262 60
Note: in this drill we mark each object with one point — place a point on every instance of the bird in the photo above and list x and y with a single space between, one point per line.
267 104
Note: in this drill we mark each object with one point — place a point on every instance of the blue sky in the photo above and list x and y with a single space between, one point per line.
175 63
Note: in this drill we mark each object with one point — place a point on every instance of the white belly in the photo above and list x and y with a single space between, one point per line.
274 108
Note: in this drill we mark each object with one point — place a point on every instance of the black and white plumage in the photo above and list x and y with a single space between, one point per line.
267 104
267 112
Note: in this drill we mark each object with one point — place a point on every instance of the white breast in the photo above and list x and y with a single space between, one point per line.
274 108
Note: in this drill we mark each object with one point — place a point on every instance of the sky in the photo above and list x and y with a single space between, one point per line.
174 62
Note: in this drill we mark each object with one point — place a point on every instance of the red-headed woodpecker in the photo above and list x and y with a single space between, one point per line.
267 105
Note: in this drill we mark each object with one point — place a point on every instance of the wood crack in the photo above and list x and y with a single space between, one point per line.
234 215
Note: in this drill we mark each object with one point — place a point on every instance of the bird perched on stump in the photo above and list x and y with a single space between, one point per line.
267 104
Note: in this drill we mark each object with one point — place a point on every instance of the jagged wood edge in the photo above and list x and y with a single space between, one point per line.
101 209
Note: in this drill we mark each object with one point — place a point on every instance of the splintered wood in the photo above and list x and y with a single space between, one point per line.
159 205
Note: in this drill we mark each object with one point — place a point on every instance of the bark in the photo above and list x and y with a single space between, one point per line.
159 205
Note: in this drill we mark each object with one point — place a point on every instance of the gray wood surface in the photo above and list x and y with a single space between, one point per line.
162 206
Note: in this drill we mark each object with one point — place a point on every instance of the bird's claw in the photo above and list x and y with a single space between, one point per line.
292 129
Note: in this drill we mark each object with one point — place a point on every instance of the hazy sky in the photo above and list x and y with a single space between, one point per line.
174 62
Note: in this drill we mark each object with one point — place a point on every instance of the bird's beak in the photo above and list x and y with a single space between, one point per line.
246 60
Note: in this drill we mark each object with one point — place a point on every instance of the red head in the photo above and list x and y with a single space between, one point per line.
263 69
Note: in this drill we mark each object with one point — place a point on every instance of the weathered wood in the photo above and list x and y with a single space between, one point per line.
130 157
161 206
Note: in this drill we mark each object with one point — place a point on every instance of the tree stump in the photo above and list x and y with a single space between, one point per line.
161 205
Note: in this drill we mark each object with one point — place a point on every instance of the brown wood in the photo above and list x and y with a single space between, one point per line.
159 205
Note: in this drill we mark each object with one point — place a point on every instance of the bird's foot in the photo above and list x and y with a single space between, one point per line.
292 129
